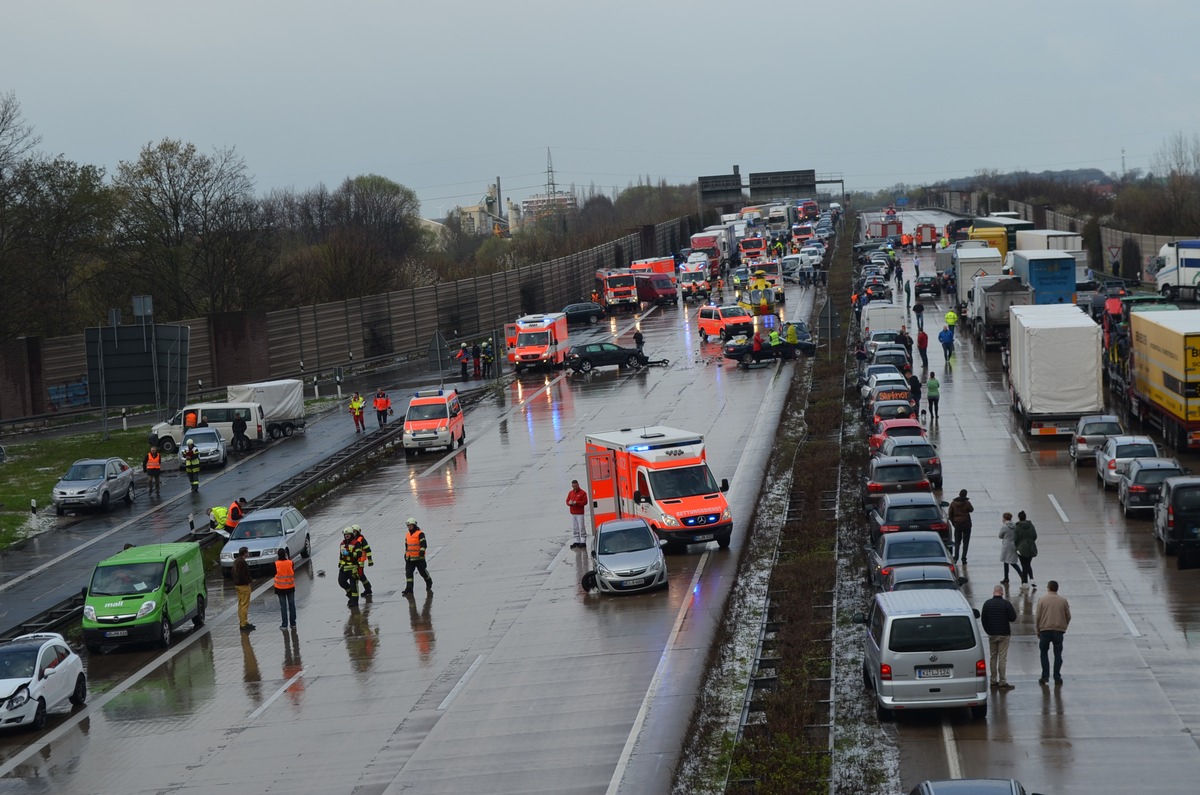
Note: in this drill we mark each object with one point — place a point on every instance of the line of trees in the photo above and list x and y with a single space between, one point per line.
187 228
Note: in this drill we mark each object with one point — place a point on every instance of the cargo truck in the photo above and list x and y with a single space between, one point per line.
989 300
661 475
925 235
1050 274
282 402
884 228
1163 381
709 242
969 263
537 340
1054 367
1176 270
995 237
1055 240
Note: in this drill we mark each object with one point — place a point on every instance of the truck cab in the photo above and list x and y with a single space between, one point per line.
693 280
538 340
661 475
616 287
434 419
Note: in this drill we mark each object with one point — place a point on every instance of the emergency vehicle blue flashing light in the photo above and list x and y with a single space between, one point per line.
639 448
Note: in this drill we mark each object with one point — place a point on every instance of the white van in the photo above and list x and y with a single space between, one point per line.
170 435
925 649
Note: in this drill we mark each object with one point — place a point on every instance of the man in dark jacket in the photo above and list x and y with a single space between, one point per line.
960 517
997 616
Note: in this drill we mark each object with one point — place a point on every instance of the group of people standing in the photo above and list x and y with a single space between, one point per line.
480 356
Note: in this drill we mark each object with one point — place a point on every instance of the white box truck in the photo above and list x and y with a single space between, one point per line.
969 263
282 402
1054 368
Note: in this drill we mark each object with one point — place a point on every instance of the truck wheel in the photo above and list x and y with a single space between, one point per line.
289 429
167 444
1170 293
274 432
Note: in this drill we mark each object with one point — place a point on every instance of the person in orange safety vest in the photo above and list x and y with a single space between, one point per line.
285 588
383 407
415 545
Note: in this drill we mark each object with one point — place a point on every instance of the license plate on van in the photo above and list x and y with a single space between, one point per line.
936 672
705 537
116 633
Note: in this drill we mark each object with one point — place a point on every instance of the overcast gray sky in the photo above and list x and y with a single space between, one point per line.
445 96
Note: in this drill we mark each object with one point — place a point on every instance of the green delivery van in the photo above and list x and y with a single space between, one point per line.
143 594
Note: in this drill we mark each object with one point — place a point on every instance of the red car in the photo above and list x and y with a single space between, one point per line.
898 427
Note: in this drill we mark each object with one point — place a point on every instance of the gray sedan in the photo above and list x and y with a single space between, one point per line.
263 533
628 557
93 483
210 445
1113 458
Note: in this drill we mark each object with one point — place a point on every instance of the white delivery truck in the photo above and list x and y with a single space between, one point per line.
1054 366
969 263
282 402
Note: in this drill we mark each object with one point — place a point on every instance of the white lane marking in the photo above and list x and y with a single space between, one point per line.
991 398
1112 597
274 696
1020 445
1057 507
974 369
462 682
554 562
635 731
953 763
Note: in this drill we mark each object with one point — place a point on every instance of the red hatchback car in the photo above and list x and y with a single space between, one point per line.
897 427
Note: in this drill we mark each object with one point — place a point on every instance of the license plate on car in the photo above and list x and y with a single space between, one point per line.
425 443
632 583
705 537
940 672
116 633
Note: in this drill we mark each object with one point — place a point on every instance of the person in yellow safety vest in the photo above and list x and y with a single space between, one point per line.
217 516
951 319
191 464
353 538
152 466
945 242
773 338
357 410
415 545
348 574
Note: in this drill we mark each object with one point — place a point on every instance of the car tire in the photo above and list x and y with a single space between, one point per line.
275 432
1124 507
588 582
78 696
129 495
462 438
585 366
306 550
1171 547
633 362
58 510
289 429
104 500
723 542
201 612
39 716
167 444
593 319
866 675
980 712
747 358
164 632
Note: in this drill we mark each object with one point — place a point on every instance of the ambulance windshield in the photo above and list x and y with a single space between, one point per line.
530 338
427 411
671 484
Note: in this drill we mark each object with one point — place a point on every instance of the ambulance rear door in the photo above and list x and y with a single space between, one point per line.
510 341
602 486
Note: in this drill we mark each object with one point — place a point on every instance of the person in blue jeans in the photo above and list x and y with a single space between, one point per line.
1053 615
285 588
946 337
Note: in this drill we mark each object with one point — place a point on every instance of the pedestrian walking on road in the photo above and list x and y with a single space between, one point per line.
241 443
946 337
639 340
923 348
933 393
576 502
960 517
152 466
241 583
285 588
914 386
1025 540
383 406
907 295
357 405
996 616
918 309
951 320
1008 548
191 464
415 545
1051 618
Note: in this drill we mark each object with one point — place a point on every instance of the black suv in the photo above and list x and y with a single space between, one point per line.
583 358
915 511
1177 512
586 312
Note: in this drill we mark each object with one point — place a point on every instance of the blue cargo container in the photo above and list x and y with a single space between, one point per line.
1050 274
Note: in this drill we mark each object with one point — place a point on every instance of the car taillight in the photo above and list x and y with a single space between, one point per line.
1138 489
889 528
1170 516
934 461
939 526
1112 463
885 672
874 487
981 667
885 571
923 485
1080 441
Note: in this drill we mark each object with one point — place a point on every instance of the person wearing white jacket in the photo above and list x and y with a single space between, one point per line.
1008 547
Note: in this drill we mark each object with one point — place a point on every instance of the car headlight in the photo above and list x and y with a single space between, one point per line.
19 698
89 612
670 521
603 571
226 557
94 489
654 567
727 514
147 608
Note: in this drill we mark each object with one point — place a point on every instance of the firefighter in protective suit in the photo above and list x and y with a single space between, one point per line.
348 574
353 538
191 464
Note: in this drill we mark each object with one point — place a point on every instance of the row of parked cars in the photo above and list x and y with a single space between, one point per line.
1146 482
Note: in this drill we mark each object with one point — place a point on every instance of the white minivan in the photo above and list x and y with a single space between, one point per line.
925 649
171 434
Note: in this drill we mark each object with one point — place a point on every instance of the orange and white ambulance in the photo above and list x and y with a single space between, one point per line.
661 475
537 340
663 265
434 419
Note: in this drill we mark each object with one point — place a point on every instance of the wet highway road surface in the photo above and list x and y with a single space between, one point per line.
507 679
1127 715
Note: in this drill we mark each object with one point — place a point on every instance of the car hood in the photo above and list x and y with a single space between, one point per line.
626 561
78 484
9 687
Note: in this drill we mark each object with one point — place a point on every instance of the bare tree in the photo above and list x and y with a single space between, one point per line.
17 138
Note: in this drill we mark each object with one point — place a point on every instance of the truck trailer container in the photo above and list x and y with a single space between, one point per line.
969 263
1163 387
989 300
282 402
1050 274
1055 374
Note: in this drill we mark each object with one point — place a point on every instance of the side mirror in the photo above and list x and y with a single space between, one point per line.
593 552
639 498
662 542
83 592
944 504
49 672
973 610
290 532
724 484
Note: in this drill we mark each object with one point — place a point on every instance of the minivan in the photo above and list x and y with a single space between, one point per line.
1177 512
170 435
143 594
924 649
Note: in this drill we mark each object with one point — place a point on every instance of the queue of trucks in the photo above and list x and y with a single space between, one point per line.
1054 372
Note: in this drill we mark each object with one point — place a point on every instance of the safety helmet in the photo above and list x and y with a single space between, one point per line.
356 528
486 344
463 345
411 521
190 443
346 531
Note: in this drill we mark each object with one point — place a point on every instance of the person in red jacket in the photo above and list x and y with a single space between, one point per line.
576 501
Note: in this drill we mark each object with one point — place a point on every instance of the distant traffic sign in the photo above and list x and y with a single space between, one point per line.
901 201
1114 252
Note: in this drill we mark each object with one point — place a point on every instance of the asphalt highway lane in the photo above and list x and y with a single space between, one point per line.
507 679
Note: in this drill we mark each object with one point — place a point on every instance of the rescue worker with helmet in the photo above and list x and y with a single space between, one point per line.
462 357
353 538
415 545
488 358
348 574
152 466
357 404
191 464
383 407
